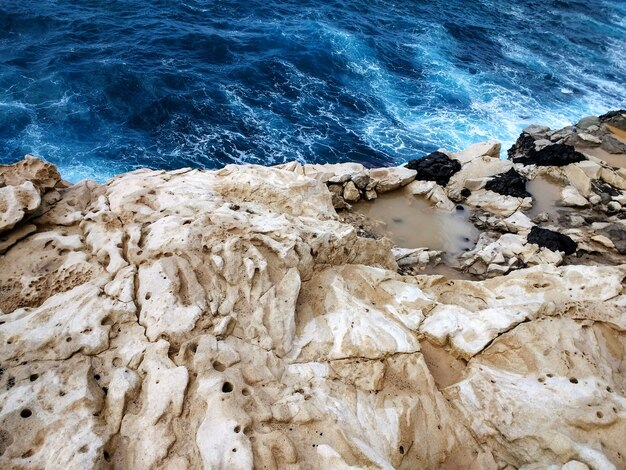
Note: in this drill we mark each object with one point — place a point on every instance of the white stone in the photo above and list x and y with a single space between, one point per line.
388 179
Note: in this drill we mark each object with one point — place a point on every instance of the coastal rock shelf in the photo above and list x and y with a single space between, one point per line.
233 319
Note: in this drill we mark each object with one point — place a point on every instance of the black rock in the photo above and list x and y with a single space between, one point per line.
435 166
551 240
523 146
552 155
615 119
510 183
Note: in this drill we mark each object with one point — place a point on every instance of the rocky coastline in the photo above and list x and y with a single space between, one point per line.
256 317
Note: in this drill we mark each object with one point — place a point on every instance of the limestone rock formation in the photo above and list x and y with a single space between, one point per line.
230 320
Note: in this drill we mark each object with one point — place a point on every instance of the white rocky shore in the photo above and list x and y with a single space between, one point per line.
233 319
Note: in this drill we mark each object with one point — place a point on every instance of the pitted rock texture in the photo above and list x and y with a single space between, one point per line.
229 320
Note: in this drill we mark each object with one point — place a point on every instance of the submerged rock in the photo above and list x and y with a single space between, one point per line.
510 183
436 166
552 240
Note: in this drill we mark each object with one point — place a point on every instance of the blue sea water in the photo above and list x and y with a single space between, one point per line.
100 87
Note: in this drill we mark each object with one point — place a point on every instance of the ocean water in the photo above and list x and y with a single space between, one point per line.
100 87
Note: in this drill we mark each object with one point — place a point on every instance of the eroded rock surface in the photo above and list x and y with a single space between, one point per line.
229 319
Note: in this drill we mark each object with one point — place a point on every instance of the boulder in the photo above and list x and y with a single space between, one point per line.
351 192
588 121
523 146
510 183
324 172
388 179
613 145
572 198
536 131
615 178
617 234
490 148
552 240
578 178
436 167
17 201
361 179
615 118
496 203
552 155
589 139
43 175
591 169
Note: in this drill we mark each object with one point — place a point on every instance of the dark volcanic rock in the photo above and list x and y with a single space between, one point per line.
523 146
510 183
615 119
551 240
552 155
435 166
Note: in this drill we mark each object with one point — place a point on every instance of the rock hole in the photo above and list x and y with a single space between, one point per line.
401 450
599 414
573 380
83 449
61 393
68 339
27 454
106 456
194 348
234 450
26 413
549 375
34 377
147 296
237 429
218 366
96 376
541 379
609 389
227 387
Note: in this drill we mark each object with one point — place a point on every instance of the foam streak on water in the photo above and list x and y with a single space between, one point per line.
99 87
